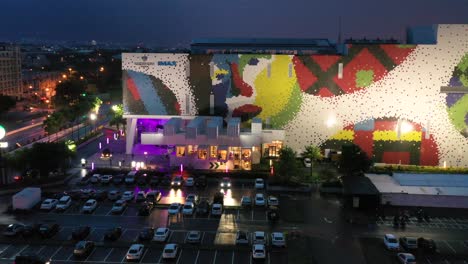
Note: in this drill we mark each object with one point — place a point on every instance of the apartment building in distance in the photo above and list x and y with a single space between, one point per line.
10 70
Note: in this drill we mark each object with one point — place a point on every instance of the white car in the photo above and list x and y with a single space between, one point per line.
259 183
277 239
64 203
258 251
161 234
128 196
272 200
259 237
106 178
307 162
192 198
391 242
217 209
170 251
113 195
189 182
188 208
246 201
406 258
89 206
193 237
259 199
49 204
130 178
119 206
95 178
174 209
135 252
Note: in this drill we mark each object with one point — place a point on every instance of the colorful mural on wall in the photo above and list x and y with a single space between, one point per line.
315 103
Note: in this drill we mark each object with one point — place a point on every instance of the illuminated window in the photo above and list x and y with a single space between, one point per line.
191 149
202 153
180 151
272 149
213 151
222 154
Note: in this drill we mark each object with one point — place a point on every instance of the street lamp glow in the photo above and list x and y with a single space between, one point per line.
64 76
92 116
101 69
115 108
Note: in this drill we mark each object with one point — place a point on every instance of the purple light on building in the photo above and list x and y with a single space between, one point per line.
107 140
92 165
181 168
100 145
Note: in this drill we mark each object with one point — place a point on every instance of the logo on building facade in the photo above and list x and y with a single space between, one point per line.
167 63
145 64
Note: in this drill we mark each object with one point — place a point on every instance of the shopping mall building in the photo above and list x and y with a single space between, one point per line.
228 103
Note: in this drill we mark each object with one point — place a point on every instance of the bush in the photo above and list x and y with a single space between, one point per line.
388 169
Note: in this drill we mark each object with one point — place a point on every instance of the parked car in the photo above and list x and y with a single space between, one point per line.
113 195
135 252
273 201
81 232
145 209
161 234
189 182
391 242
118 179
30 230
83 248
130 178
259 238
259 183
166 181
242 238
177 181
113 233
218 198
203 208
409 243
201 181
174 209
128 196
89 206
86 194
258 251
95 178
427 245
48 230
63 203
141 196
13 230
142 180
216 209
170 251
146 234
406 258
154 180
100 195
153 197
246 201
277 239
84 180
273 213
188 208
307 162
106 179
225 183
259 199
119 206
193 198
49 204
193 237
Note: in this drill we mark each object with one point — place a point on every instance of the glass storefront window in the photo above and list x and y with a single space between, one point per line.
272 149
202 153
222 154
180 151
213 151
191 149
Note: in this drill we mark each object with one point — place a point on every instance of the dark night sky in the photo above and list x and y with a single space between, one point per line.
176 22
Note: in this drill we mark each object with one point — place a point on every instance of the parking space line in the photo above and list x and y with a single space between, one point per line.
252 214
108 254
268 257
56 252
266 216
21 250
196 258
39 251
180 254
123 212
446 261
428 261
214 259
170 235
232 259
69 257
144 254
448 245
160 258
94 249
123 259
237 217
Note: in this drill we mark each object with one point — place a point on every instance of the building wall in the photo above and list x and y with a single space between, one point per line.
10 70
385 98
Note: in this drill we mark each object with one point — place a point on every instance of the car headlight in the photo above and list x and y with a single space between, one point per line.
229 185
178 183
172 183
222 184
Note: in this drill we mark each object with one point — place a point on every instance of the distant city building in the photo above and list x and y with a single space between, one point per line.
10 70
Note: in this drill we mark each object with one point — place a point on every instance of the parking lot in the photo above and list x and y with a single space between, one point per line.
448 252
434 223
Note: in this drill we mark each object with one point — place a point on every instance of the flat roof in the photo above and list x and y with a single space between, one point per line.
313 42
425 184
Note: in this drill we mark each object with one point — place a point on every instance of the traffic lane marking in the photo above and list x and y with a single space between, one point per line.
64 253
450 246
49 251
177 237
11 251
152 255
129 235
118 254
99 254
205 257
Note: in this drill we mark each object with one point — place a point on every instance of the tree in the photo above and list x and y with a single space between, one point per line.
54 122
69 93
6 103
353 160
286 166
313 153
116 116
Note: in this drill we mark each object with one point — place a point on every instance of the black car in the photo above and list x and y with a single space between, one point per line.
427 245
48 230
118 179
141 180
27 258
203 207
84 180
273 213
113 233
218 198
30 230
200 181
100 195
145 209
166 181
146 234
153 197
81 232
83 248
154 180
106 153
